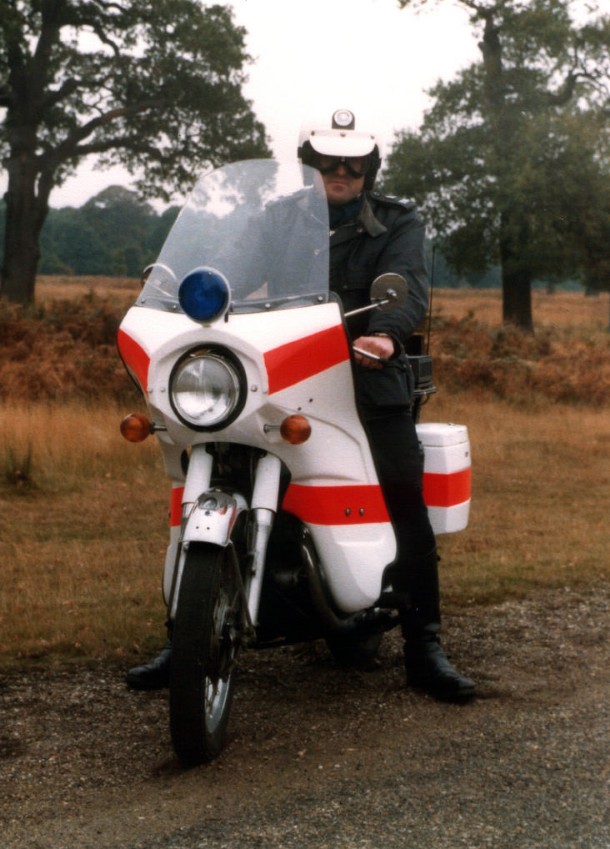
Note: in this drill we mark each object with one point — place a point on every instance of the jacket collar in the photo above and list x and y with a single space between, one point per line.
365 222
367 219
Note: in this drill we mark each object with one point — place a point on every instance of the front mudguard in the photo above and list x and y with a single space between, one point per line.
210 519
212 516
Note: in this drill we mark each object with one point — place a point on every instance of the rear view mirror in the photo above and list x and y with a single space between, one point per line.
389 291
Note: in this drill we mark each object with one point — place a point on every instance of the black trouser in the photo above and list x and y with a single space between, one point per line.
399 462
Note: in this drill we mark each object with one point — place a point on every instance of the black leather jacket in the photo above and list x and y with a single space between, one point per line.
388 235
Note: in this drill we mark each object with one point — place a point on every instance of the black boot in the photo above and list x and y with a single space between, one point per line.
426 664
429 670
153 675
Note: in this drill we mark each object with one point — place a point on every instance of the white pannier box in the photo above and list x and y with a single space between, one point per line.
447 475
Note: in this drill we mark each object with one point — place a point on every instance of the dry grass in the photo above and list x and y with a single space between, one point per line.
83 544
557 310
83 514
566 360
121 290
82 538
62 349
541 500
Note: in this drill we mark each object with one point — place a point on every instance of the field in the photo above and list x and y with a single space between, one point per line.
525 605
83 513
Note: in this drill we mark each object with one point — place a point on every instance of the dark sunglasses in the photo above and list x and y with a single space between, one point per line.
356 166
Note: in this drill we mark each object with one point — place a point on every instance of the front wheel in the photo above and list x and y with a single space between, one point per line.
205 643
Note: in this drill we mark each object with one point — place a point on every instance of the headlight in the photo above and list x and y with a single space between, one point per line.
207 388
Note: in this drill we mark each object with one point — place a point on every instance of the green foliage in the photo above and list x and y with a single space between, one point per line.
113 235
511 162
143 82
155 85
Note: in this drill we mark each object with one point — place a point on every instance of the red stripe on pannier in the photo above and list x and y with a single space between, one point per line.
447 490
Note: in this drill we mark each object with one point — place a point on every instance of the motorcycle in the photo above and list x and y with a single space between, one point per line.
279 532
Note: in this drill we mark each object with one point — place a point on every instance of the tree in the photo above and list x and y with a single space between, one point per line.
500 159
114 233
152 84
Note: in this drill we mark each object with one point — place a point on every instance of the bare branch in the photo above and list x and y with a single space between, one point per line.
72 145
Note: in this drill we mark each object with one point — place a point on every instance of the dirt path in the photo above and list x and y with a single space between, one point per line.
323 759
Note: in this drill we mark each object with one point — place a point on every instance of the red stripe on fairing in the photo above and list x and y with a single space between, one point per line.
336 505
447 490
303 358
135 357
175 506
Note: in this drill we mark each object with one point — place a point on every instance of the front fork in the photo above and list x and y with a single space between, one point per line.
208 515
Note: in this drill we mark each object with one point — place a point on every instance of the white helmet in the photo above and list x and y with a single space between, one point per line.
341 141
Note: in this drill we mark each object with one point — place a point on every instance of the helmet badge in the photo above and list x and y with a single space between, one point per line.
343 119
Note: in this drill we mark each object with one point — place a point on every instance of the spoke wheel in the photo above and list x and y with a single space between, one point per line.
204 648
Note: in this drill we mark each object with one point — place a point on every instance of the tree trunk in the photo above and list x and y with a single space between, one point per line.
516 275
517 299
26 211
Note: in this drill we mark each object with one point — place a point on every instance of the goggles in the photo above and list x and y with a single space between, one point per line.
356 166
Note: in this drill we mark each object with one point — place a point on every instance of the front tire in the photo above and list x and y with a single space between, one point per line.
205 644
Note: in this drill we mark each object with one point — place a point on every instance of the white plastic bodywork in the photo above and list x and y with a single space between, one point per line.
286 373
447 468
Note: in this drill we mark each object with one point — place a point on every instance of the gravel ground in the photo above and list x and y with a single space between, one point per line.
320 758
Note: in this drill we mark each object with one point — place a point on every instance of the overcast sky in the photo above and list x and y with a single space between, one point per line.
314 56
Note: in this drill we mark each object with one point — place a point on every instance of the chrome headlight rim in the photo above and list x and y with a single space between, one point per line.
235 372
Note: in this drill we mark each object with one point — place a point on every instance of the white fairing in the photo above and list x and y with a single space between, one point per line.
355 558
354 552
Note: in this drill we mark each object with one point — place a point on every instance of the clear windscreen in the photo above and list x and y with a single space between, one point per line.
260 223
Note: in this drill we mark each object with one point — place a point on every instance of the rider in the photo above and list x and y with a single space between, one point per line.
371 234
